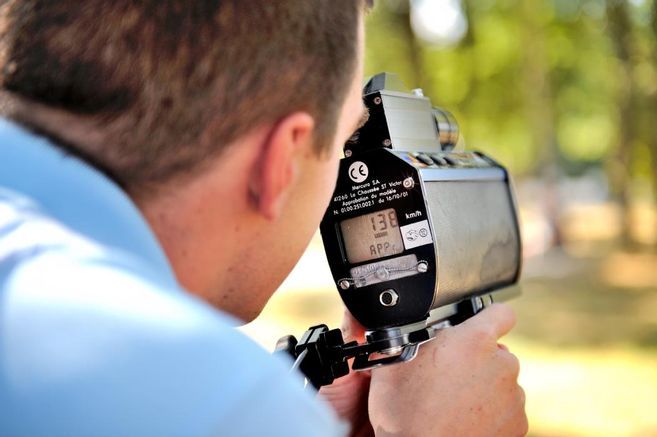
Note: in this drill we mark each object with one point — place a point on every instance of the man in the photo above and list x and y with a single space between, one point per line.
167 157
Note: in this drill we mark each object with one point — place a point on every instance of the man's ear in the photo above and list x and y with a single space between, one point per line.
276 169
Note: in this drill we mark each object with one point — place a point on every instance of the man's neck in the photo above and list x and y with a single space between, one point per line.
204 221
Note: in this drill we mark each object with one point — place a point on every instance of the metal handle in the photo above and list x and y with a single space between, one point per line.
363 362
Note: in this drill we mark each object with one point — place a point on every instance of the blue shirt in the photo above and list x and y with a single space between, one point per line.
97 337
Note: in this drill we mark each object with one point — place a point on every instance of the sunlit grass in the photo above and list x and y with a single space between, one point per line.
589 392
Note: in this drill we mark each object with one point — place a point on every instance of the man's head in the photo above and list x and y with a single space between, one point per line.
166 84
223 119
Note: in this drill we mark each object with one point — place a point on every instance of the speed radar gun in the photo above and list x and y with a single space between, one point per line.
419 236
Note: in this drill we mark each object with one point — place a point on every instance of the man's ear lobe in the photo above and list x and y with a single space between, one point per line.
276 169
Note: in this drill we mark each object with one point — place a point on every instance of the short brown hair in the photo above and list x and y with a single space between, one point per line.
169 70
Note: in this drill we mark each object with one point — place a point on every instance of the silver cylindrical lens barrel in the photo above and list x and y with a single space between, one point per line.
448 128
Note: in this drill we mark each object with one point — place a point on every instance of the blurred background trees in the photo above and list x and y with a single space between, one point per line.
562 91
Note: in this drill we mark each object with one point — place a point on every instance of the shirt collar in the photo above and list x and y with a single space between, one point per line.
77 195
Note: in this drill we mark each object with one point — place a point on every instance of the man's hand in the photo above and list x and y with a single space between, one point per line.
461 383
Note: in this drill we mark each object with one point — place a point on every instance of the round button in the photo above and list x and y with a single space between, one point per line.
389 298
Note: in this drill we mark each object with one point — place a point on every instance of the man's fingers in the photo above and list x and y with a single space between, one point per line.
497 320
351 329
511 363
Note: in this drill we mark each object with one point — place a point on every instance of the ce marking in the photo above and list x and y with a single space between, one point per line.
358 172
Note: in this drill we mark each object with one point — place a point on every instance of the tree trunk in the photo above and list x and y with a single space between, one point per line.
620 28
540 110
415 54
652 103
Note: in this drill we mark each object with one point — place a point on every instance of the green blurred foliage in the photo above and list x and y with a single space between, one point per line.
489 79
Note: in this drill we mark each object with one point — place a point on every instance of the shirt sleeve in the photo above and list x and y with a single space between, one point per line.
90 348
